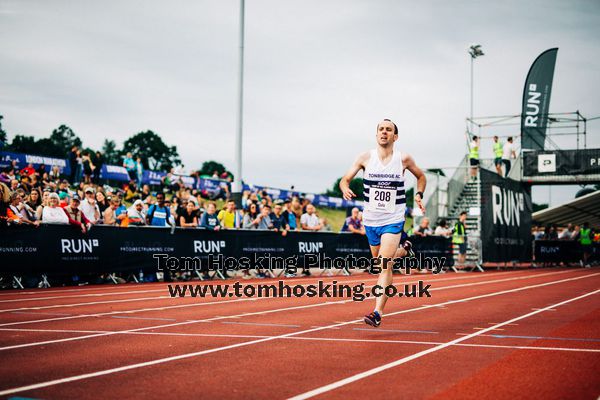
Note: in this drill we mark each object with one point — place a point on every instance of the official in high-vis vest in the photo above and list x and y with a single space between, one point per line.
498 155
459 235
585 240
474 156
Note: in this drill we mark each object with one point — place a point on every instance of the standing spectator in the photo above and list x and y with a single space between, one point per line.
88 168
89 207
16 211
101 201
325 227
423 229
251 218
135 213
459 236
40 209
442 229
129 165
278 219
159 214
309 221
210 219
289 214
139 169
228 216
498 155
54 174
567 233
474 157
52 213
79 168
72 158
550 232
508 152
99 163
116 213
265 222
188 218
353 223
75 216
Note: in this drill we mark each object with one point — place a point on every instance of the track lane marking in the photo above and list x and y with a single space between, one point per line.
262 340
314 338
404 360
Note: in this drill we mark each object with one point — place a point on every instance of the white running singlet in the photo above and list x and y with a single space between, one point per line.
385 199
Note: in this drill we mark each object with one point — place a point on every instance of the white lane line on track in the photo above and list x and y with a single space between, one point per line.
31 344
46 342
373 371
144 318
262 340
395 330
225 301
315 338
259 324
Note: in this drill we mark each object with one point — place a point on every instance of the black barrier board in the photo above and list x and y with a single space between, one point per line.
61 249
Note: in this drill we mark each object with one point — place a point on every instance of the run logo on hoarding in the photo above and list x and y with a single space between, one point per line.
507 206
78 246
208 246
533 106
309 247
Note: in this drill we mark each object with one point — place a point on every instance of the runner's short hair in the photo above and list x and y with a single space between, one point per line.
395 127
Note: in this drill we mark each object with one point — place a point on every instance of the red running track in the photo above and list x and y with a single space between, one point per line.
518 334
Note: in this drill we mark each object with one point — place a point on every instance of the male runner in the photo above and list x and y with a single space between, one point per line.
385 203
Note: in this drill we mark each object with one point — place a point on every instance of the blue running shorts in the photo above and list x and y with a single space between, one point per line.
374 232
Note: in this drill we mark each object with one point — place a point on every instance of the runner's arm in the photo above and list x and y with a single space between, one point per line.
358 164
409 164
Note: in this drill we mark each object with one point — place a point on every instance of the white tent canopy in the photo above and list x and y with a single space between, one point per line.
582 209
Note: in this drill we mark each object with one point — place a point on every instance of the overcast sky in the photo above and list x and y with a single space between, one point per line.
319 76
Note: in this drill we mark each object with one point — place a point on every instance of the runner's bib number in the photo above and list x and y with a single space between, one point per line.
382 199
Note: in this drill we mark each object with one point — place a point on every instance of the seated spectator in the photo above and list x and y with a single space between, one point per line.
28 170
228 216
354 223
7 175
75 216
159 214
210 219
34 200
89 207
278 219
135 213
54 173
40 209
423 229
442 229
52 213
309 221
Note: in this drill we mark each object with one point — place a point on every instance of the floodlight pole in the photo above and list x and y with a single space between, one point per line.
471 114
236 190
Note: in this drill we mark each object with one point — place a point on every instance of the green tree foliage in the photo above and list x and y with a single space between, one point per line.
155 154
110 152
538 207
356 185
3 134
209 167
64 138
